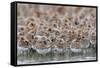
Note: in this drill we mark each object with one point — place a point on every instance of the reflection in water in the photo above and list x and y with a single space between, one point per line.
32 57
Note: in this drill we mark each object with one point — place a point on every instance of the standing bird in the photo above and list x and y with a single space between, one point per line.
42 45
93 39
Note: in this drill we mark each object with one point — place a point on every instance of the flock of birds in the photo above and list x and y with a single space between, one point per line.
57 30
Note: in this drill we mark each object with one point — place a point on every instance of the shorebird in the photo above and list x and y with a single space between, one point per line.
23 45
31 23
75 46
59 46
32 26
24 42
42 46
85 42
22 29
93 38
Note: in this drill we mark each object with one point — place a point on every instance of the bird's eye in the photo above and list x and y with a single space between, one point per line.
65 20
65 24
45 42
89 26
76 23
52 40
22 28
22 38
49 29
83 37
31 24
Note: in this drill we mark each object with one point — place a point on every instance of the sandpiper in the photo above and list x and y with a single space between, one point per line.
93 38
24 42
23 29
75 46
42 46
84 41
59 46
23 45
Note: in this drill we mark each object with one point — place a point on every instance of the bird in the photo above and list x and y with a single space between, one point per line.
75 46
42 46
85 42
59 46
22 29
24 42
93 39
22 45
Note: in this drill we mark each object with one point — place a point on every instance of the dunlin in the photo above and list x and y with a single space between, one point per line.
93 38
42 46
75 47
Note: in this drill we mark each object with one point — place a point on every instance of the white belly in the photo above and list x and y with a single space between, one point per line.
76 50
85 44
58 50
93 41
43 51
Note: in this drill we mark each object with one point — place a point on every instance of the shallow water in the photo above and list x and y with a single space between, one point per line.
32 57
